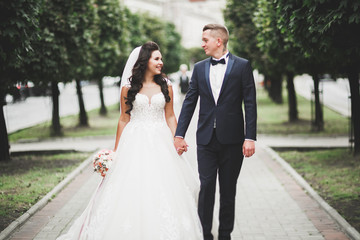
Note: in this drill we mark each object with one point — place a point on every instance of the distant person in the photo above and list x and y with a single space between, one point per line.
224 82
184 79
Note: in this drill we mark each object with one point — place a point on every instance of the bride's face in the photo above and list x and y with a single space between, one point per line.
155 63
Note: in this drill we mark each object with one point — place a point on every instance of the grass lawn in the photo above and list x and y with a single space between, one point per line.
273 118
335 175
26 179
99 125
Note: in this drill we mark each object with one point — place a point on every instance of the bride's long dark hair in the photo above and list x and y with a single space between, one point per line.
138 73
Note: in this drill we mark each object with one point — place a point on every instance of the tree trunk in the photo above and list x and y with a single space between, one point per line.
275 91
103 110
267 83
318 124
4 141
292 103
83 119
355 109
55 126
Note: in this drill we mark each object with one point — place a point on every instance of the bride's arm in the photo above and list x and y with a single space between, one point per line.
169 112
124 117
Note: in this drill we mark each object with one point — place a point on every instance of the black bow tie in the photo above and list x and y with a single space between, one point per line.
214 62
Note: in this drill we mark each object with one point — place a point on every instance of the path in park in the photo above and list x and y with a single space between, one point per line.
271 203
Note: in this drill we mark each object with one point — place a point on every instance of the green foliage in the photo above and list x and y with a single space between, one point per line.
80 38
174 50
238 16
193 55
18 28
275 45
133 25
282 33
163 33
111 44
50 59
53 40
324 30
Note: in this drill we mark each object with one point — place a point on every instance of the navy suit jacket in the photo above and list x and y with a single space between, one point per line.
238 87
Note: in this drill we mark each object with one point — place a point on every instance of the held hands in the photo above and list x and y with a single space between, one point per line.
248 148
180 145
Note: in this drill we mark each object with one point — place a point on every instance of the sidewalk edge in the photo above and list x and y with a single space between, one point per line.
6 233
346 227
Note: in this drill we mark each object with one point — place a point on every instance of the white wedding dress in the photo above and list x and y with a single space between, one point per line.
150 191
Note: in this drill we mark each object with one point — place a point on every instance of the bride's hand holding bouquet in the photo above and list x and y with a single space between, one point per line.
102 161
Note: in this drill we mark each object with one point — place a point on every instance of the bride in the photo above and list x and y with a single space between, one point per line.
150 191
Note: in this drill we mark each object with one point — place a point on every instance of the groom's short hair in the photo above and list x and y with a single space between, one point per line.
219 31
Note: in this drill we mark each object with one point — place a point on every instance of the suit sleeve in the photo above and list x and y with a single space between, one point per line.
188 106
249 93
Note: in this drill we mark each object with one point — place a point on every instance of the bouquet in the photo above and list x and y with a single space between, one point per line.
102 161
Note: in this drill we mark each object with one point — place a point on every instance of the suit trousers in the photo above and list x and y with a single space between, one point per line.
223 160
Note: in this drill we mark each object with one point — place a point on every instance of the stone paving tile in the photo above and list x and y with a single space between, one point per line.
62 221
264 210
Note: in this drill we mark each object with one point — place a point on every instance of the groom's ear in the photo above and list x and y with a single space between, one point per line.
219 42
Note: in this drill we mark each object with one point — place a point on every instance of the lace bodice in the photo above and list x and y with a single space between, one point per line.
148 111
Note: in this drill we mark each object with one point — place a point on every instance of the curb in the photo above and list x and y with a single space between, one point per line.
5 234
346 227
43 152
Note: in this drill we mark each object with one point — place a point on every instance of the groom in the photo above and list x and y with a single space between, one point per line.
223 82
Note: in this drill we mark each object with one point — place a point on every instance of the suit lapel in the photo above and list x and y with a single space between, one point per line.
227 72
207 76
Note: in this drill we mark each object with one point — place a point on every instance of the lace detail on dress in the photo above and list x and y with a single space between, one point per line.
148 111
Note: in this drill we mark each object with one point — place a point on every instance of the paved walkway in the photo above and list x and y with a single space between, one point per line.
87 144
308 142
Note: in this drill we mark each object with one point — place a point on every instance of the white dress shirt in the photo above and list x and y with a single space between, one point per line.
217 73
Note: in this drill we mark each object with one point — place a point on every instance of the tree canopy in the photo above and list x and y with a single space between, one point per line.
289 37
52 41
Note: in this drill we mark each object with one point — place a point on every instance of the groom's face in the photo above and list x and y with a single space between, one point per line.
209 43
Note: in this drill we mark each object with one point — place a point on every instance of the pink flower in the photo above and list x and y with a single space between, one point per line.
102 161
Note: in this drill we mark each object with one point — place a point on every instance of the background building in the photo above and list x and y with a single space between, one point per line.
189 16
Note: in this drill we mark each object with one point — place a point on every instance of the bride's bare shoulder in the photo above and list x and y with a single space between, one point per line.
170 88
